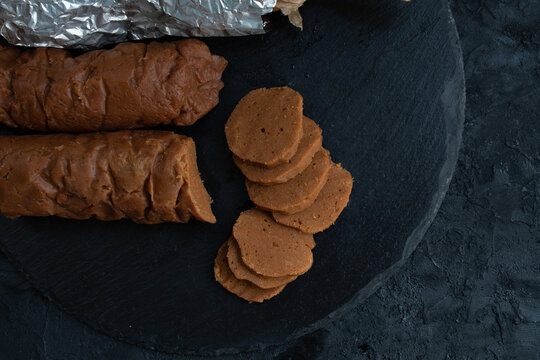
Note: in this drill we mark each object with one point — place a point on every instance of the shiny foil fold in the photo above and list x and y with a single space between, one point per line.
94 23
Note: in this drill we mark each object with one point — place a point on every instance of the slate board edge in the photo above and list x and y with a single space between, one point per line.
454 119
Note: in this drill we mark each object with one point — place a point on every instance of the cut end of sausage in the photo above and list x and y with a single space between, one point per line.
193 194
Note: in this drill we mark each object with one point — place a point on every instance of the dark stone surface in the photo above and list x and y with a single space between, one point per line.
153 285
471 289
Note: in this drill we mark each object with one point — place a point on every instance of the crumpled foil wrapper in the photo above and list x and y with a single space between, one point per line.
93 23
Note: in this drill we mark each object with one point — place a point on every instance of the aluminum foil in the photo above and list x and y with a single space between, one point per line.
94 23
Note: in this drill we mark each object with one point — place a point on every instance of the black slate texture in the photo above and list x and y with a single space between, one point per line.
385 84
471 289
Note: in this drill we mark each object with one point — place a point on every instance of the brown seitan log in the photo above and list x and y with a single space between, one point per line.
146 176
129 86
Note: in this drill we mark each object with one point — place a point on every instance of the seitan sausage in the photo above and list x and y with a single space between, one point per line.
241 288
242 272
298 193
129 86
265 127
327 207
310 143
143 175
271 249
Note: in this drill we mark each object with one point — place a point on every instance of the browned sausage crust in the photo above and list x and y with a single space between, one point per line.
146 176
129 86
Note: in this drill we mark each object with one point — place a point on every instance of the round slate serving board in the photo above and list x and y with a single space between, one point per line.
384 81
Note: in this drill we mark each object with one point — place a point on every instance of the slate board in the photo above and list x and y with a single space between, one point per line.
384 80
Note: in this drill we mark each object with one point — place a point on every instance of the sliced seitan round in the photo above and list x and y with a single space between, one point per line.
298 193
242 272
266 126
309 144
331 201
272 249
241 288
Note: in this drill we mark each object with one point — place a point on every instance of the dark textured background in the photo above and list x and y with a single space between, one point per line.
471 289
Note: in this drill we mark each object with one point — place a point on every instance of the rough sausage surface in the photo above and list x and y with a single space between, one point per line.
129 86
146 176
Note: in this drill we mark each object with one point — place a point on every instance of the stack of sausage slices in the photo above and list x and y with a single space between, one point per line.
297 189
